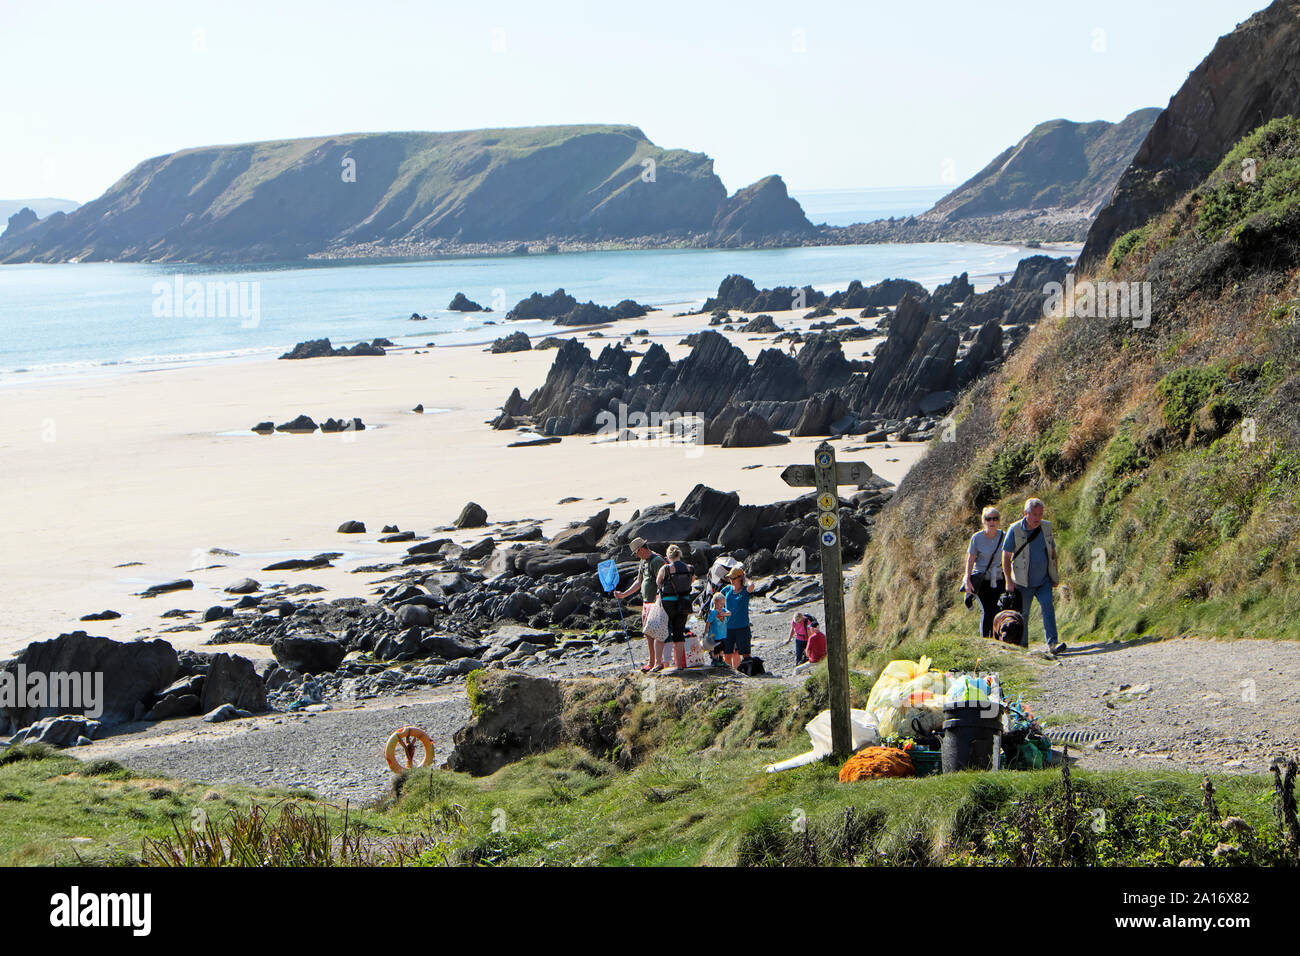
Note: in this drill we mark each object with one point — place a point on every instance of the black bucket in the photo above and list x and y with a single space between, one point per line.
968 734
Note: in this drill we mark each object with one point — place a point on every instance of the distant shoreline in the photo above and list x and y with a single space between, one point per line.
407 336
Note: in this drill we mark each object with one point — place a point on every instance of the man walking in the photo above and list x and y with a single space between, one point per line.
646 580
1030 570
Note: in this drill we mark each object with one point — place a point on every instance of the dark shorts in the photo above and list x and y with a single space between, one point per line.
737 641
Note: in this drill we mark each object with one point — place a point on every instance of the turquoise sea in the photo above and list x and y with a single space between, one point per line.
76 317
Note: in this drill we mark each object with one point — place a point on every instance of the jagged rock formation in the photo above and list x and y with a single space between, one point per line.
917 371
1250 77
377 191
563 309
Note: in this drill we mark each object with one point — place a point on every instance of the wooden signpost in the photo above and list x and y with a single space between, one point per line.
826 475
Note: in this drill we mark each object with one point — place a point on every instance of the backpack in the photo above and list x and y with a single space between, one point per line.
677 582
752 667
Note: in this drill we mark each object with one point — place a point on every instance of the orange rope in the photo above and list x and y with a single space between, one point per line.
875 762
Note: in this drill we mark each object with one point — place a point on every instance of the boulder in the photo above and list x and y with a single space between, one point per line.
818 414
762 325
101 616
220 714
308 653
514 342
404 646
182 584
449 647
517 715
233 680
478 550
471 516
243 586
584 536
314 348
300 425
131 672
174 705
415 615
61 731
750 430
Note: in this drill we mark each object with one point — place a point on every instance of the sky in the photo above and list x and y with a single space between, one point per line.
866 94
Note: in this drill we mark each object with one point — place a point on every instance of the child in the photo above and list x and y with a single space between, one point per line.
799 634
816 650
717 622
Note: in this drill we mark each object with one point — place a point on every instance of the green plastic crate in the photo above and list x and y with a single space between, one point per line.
926 762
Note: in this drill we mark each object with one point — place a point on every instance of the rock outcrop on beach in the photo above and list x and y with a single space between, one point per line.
563 309
1047 187
321 348
514 342
394 193
1250 77
924 361
125 673
461 303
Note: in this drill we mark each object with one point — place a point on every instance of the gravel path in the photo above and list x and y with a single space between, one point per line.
337 753
1189 704
1229 706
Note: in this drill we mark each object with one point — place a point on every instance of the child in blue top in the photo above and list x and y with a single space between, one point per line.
717 623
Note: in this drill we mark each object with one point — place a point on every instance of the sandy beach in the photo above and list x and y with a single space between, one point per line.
115 482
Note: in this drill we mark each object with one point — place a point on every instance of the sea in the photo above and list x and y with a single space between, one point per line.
58 319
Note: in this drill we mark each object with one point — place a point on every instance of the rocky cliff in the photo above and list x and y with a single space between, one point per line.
1048 187
384 191
1251 76
1165 439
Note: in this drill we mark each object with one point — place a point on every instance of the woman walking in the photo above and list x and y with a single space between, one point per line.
983 578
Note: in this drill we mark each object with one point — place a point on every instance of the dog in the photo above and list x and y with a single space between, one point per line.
1009 627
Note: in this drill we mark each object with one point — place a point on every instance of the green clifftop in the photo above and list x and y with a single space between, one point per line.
293 198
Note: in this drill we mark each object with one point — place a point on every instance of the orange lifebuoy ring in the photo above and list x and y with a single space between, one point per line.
406 738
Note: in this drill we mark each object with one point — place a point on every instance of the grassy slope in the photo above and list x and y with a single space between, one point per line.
699 798
1169 456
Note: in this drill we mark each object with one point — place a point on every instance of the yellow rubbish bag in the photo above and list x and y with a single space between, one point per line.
907 691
